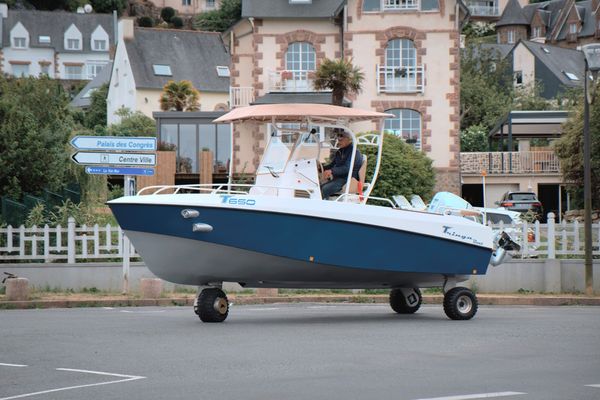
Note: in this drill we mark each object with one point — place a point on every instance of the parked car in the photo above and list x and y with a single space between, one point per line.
522 202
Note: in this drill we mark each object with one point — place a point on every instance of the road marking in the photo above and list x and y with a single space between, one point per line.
108 308
142 312
127 379
596 386
12 365
263 309
474 396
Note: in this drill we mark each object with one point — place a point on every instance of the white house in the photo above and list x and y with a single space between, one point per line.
147 59
59 44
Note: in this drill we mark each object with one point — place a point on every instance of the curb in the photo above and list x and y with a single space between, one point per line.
503 300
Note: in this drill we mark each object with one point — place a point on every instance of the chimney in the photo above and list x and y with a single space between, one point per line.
4 10
125 29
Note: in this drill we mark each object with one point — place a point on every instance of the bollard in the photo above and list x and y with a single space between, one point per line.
151 288
17 289
267 292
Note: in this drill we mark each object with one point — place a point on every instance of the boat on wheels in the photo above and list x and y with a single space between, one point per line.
278 232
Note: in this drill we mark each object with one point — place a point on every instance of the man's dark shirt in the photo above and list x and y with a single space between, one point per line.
341 163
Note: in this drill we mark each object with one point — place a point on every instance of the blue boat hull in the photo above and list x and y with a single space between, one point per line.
272 249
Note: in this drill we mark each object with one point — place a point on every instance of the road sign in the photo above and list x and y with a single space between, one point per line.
119 171
141 159
113 143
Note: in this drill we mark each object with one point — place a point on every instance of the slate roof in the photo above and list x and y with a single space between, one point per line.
192 56
283 9
513 15
305 98
559 60
55 24
83 101
588 27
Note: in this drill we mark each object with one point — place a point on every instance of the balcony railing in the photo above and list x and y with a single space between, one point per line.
400 79
292 81
240 96
480 10
517 162
400 5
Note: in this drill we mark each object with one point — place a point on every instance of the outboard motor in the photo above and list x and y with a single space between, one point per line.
504 244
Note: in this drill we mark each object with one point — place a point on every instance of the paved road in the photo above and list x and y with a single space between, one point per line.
300 351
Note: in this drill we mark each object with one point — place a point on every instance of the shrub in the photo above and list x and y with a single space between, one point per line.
177 22
167 14
145 22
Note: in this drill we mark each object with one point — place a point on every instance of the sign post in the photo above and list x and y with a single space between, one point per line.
112 155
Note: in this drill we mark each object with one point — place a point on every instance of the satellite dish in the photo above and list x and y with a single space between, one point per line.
88 8
80 10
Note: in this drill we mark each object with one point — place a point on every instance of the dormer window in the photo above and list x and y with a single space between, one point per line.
19 42
572 28
223 71
99 45
537 32
73 44
44 39
162 70
300 1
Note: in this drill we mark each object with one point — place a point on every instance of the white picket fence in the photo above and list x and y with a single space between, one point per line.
93 243
550 240
73 243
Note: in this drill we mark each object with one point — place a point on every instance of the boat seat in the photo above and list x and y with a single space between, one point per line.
357 186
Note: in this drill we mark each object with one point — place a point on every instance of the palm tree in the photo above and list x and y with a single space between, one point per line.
179 96
341 77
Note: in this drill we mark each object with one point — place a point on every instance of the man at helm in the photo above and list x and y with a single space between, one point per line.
335 173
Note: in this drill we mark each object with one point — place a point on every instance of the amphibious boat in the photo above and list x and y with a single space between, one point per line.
280 233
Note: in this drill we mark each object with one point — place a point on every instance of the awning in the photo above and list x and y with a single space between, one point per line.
530 124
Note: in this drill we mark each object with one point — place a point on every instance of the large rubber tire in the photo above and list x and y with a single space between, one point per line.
460 303
399 304
213 305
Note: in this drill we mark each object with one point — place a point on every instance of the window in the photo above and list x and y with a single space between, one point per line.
73 44
20 69
210 4
186 2
299 61
571 76
45 69
100 45
162 70
406 124
400 4
223 71
300 1
572 28
73 72
20 42
510 37
400 70
371 5
518 78
537 32
431 5
44 39
94 68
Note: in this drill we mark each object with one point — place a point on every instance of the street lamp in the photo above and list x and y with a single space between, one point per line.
591 54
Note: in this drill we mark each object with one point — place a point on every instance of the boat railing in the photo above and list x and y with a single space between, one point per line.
361 199
224 188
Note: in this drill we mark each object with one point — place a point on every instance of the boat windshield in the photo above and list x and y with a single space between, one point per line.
291 142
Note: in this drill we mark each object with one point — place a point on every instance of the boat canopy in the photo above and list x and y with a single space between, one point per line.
296 112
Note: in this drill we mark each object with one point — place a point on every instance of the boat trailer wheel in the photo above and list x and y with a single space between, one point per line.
212 305
405 300
460 303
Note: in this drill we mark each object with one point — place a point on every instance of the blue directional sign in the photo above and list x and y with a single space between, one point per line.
119 171
113 143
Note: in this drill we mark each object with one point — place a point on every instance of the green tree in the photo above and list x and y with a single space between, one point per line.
229 12
179 96
473 139
35 124
485 87
570 151
132 124
96 114
404 169
145 22
341 77
108 6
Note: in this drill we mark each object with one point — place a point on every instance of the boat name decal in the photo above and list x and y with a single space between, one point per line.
448 230
227 199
